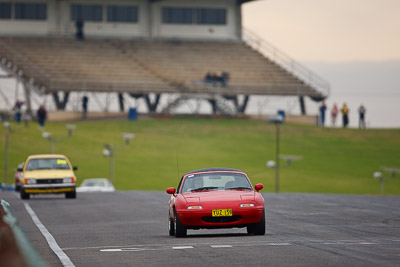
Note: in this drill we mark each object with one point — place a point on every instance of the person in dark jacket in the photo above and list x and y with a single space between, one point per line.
85 101
361 113
41 115
79 29
322 110
18 111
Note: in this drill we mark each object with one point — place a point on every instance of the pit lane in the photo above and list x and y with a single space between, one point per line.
129 228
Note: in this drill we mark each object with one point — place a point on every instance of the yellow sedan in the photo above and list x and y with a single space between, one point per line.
48 174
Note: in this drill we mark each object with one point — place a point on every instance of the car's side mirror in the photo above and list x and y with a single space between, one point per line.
20 169
171 190
75 168
258 187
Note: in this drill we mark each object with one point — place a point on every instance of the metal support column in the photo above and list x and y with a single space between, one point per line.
302 105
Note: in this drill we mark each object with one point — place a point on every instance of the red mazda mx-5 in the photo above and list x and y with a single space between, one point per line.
216 198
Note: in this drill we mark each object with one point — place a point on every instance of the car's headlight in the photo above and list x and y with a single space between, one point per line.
246 205
30 181
69 180
194 207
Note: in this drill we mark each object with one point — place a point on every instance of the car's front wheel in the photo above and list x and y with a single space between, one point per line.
23 194
70 194
171 225
257 228
180 230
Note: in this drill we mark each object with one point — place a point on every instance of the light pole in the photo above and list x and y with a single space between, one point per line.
49 136
7 126
277 120
381 178
378 175
109 149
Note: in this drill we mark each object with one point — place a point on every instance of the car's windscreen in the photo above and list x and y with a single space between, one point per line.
48 164
215 181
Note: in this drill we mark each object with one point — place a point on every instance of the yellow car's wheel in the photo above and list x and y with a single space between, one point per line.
70 194
23 194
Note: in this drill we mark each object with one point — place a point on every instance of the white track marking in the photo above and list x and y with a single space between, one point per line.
156 247
111 250
182 247
126 249
139 249
50 239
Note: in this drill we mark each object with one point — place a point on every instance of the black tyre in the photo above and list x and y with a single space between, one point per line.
180 230
259 228
23 194
171 225
250 229
70 194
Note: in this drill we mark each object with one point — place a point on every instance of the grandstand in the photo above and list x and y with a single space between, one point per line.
153 62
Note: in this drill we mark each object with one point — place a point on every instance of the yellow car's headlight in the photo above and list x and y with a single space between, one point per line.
68 180
30 181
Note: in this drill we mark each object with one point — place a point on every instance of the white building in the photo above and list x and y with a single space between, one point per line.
197 19
208 22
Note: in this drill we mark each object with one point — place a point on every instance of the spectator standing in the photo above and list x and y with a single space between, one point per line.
41 115
224 78
208 78
18 111
322 110
79 29
214 78
361 113
345 115
334 113
85 101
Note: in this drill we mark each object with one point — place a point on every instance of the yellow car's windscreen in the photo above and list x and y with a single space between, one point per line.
48 164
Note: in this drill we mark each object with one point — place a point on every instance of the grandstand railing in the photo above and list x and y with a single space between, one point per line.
285 61
13 62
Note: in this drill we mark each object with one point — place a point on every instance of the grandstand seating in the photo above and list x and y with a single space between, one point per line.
68 65
143 66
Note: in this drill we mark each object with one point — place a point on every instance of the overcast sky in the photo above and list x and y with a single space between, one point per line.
328 30
353 44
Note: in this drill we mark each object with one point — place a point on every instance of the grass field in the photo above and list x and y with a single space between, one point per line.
334 160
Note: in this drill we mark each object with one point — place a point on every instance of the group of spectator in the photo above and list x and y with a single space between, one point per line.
41 113
345 115
215 78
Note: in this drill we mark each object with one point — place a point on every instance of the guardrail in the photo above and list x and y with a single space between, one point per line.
29 253
285 61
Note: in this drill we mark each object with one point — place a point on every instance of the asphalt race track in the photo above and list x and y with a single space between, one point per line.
129 228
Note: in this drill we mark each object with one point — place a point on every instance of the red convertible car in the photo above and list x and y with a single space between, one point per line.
216 198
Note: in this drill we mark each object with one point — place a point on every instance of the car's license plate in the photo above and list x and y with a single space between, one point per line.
222 212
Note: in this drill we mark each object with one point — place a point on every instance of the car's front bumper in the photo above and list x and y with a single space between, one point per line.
203 219
49 188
